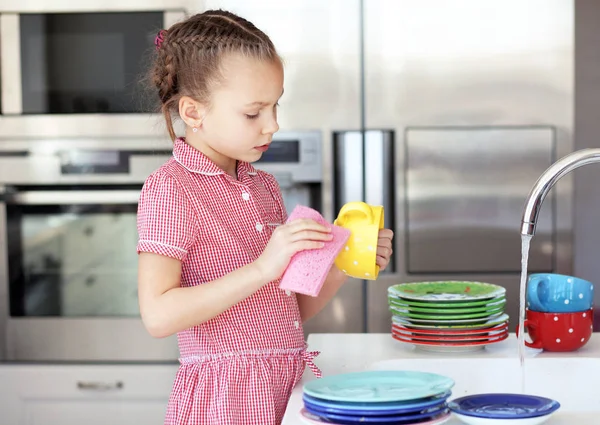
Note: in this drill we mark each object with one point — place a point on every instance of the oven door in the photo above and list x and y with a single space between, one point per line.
71 276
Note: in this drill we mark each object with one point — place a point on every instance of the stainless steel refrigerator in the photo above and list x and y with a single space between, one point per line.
445 113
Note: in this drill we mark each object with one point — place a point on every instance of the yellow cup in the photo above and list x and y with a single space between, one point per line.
359 257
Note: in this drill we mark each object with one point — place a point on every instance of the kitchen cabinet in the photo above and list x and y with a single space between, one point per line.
84 394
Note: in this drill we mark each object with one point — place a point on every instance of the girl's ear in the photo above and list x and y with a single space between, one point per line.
191 111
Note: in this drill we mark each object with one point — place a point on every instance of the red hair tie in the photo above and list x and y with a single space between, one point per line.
160 37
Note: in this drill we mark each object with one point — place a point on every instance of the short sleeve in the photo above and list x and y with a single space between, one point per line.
166 220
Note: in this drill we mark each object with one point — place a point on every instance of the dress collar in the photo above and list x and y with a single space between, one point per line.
196 162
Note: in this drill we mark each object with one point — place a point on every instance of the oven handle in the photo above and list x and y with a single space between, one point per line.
71 197
99 386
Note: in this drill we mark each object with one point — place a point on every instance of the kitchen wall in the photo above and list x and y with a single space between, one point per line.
586 249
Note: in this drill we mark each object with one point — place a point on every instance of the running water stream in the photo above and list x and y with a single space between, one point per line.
525 242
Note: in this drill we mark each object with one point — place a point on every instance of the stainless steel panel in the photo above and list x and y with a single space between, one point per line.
81 126
465 189
469 63
38 161
86 340
60 6
10 64
68 197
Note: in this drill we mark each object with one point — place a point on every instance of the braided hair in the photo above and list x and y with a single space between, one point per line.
189 55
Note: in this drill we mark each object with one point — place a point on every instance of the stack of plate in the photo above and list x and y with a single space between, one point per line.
449 315
382 397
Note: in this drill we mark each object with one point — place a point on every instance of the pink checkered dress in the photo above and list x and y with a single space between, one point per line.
241 366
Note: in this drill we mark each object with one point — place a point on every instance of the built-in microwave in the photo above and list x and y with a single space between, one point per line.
77 67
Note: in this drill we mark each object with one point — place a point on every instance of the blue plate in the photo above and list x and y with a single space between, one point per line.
385 408
503 406
378 386
387 420
429 411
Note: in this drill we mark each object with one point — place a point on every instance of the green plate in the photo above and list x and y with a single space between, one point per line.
447 291
448 305
445 317
443 311
492 321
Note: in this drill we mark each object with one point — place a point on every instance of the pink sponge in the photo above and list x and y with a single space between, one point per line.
307 270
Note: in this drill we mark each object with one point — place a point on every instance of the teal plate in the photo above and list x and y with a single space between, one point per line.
378 386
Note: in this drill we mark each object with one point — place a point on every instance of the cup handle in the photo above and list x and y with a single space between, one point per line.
354 206
532 344
532 292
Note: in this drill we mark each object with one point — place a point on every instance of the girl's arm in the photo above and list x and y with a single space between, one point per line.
167 308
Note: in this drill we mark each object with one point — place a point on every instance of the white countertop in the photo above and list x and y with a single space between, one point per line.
343 353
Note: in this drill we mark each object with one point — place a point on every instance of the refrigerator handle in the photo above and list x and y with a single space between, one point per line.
379 177
348 169
10 70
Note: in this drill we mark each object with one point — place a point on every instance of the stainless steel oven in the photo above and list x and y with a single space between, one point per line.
68 235
79 66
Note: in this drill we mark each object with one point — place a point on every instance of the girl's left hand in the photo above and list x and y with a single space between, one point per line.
384 248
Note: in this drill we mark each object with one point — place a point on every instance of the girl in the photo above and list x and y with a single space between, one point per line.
210 250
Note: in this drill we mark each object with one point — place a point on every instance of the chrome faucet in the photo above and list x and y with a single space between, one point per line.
543 185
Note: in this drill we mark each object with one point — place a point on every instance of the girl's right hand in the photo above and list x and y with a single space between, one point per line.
287 240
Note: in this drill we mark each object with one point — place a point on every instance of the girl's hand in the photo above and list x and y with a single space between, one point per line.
287 240
384 248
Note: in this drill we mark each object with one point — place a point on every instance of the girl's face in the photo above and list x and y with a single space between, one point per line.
242 117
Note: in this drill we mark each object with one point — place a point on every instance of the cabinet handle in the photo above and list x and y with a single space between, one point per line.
99 386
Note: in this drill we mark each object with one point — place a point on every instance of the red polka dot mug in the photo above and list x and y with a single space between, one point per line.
559 331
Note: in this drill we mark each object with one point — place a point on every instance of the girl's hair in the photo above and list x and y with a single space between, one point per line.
189 55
